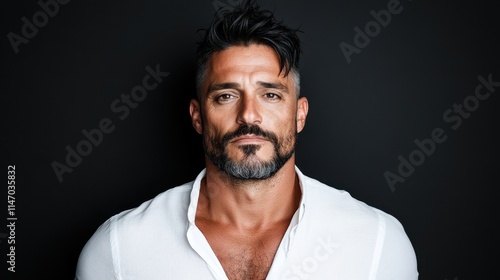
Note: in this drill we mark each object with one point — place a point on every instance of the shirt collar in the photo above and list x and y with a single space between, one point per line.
195 194
302 205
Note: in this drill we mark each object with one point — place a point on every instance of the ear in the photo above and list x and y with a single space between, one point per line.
194 111
302 109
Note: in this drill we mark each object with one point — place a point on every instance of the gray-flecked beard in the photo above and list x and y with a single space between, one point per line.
250 167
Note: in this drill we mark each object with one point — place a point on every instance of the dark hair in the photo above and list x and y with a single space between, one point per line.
244 25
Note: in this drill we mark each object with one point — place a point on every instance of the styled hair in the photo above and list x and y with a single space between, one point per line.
248 24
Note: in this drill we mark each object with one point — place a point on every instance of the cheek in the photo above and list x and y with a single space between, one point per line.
209 129
287 139
286 123
215 123
211 135
214 134
287 134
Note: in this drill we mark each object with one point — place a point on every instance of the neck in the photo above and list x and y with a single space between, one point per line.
249 204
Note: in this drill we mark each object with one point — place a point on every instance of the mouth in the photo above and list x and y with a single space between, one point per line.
248 139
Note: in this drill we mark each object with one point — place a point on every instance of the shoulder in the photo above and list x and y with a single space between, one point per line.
168 204
363 227
165 214
328 199
131 230
342 207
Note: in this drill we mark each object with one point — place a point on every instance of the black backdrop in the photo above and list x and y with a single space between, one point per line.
398 87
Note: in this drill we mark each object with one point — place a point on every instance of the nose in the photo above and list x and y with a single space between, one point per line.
248 111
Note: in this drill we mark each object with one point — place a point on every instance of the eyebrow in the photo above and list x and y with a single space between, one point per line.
279 86
221 86
216 87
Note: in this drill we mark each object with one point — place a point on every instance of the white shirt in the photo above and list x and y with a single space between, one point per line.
331 236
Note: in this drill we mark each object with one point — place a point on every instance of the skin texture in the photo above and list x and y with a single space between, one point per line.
244 220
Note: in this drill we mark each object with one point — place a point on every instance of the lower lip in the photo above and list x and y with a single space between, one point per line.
249 141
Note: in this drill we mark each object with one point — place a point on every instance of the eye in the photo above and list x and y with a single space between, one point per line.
272 96
223 98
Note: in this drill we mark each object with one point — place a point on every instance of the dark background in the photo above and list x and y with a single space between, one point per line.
363 115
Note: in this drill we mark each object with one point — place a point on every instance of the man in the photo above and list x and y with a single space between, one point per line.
251 214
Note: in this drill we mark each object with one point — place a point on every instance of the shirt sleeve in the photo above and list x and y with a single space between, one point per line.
397 257
96 259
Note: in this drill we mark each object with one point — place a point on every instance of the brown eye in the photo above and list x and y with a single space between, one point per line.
272 96
224 98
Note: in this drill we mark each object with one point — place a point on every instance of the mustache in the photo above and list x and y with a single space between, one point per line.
249 129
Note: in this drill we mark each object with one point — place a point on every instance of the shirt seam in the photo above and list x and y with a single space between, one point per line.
377 252
115 250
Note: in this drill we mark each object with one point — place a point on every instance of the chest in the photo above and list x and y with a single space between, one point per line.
245 256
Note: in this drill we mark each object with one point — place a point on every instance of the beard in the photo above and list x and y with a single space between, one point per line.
250 167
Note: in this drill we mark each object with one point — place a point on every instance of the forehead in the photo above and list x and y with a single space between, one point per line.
253 54
241 60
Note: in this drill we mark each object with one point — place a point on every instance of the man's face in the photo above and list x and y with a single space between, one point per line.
249 114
